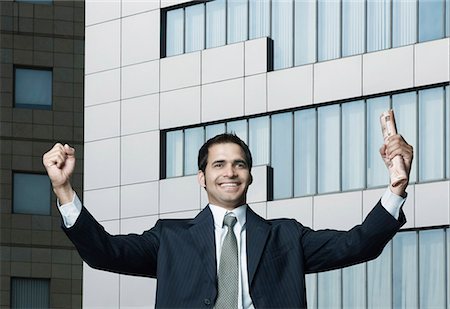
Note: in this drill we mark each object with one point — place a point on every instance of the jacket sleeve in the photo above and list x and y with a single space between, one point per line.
130 254
330 249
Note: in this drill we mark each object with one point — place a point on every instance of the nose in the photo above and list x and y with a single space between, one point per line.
229 171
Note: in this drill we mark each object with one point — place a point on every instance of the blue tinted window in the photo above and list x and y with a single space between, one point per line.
353 27
329 35
30 293
305 31
33 88
174 153
195 27
431 20
193 140
378 24
215 23
404 21
175 32
237 21
259 15
31 194
282 33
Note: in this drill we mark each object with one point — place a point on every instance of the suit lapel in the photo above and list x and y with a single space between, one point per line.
257 233
202 231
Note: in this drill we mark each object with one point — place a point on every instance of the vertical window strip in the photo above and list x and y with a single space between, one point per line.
404 22
353 27
237 21
329 29
329 289
259 18
174 153
283 33
379 280
215 23
354 286
175 32
378 24
195 27
431 20
305 31
447 141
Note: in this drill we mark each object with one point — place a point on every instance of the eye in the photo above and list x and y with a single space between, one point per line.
241 165
218 165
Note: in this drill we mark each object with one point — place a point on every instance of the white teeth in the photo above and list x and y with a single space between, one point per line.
229 185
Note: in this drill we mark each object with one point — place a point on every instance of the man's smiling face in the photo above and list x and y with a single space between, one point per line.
227 176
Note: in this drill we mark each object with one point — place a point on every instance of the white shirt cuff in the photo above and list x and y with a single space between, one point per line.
70 211
392 202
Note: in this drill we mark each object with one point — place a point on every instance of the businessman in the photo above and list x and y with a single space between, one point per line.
227 256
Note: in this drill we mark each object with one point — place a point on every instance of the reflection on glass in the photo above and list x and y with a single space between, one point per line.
377 174
195 27
329 29
329 289
379 280
432 269
353 27
305 31
282 151
378 24
311 290
305 143
353 144
237 21
354 286
174 153
174 32
431 20
431 134
259 15
239 128
259 139
214 129
404 22
328 148
193 140
215 23
31 194
405 109
33 88
405 267
282 33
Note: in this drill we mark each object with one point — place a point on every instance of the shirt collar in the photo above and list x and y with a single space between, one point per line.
220 212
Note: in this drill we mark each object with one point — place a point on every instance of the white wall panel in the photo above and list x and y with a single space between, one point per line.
371 198
431 62
339 211
102 121
102 51
139 200
338 79
299 209
221 63
223 100
256 54
255 96
290 87
131 7
388 70
257 192
180 71
259 208
143 44
180 215
180 107
140 114
432 204
103 204
102 87
166 3
140 79
101 164
98 11
179 194
140 157
137 292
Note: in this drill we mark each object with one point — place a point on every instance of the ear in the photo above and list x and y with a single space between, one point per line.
201 178
251 179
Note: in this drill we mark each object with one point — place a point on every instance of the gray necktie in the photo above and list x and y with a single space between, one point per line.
227 297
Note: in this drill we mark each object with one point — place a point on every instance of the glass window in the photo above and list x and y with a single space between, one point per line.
282 152
174 32
31 194
282 33
33 88
30 293
354 286
404 22
259 15
447 108
431 134
214 129
378 24
174 153
305 144
237 21
353 144
377 173
193 140
48 2
329 148
195 27
431 20
239 128
379 280
259 139
448 267
353 27
447 22
305 31
405 109
405 267
215 23
432 285
329 29
329 289
311 290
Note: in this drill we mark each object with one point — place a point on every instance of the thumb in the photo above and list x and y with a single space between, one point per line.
70 151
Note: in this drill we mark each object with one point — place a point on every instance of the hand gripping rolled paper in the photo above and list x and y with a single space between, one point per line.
396 167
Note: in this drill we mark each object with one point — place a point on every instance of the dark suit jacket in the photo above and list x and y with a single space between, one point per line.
181 255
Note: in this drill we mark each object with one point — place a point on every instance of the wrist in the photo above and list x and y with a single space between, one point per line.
398 190
64 193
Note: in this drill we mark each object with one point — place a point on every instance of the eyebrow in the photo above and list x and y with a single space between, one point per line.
234 161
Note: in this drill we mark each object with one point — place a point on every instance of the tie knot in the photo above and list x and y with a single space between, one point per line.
229 220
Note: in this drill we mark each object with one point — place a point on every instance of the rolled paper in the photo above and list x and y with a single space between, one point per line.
397 171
